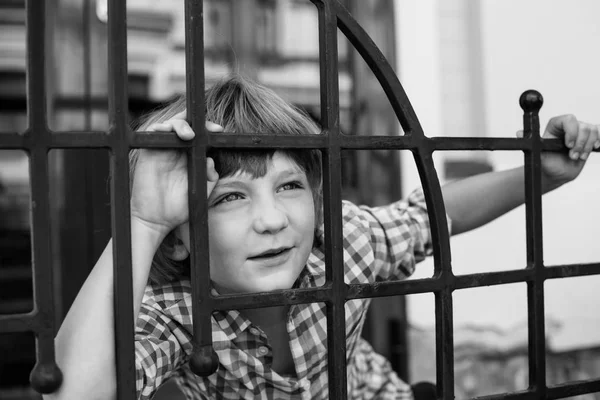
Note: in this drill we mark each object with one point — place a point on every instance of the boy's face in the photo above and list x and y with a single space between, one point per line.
261 230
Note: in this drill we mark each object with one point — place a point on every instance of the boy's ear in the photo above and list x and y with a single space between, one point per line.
175 249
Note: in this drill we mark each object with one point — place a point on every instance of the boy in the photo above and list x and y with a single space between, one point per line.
265 234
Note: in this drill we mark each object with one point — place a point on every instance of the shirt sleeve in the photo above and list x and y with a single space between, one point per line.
385 243
162 344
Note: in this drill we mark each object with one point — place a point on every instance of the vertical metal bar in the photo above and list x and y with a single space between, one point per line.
203 361
45 377
332 195
444 344
531 101
36 82
120 212
440 238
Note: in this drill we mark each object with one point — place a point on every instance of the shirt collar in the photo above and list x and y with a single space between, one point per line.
231 322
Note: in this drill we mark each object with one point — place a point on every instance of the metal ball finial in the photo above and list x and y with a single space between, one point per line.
45 378
531 101
204 361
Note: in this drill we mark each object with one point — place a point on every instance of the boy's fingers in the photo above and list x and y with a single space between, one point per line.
590 142
161 127
211 172
587 149
181 115
183 129
211 126
563 127
581 140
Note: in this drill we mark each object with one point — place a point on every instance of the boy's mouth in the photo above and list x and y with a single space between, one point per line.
271 253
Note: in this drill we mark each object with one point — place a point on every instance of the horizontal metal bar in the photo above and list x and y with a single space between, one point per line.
97 139
256 141
73 140
573 389
13 140
492 278
495 143
378 142
29 322
230 140
269 299
521 395
572 270
479 143
12 4
394 288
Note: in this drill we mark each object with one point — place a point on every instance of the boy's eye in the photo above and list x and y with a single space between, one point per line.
291 186
229 198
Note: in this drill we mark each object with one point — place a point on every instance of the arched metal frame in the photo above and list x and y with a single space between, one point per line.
38 139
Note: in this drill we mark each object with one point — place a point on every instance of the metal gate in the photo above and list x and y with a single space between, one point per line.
38 139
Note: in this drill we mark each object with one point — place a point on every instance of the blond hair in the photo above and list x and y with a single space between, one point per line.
242 106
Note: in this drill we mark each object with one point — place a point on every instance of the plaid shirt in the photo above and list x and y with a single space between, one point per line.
382 243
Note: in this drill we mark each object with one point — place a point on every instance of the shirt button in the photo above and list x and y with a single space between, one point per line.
263 350
254 331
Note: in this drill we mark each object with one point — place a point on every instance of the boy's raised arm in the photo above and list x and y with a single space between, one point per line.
85 349
475 201
85 344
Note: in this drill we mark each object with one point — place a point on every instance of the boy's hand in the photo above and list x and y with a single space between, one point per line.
160 187
179 125
581 138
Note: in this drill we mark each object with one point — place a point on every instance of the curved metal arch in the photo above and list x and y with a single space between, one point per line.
394 90
422 152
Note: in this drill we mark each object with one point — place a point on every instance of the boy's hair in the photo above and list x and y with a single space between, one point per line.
242 106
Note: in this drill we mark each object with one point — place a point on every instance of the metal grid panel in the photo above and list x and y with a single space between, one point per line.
38 140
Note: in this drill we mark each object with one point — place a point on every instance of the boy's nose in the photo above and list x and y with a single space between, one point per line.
270 218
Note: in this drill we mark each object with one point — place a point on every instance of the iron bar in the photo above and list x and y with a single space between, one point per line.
99 139
492 278
81 140
573 389
29 322
120 211
14 140
275 298
394 288
531 102
440 239
444 344
520 395
45 376
571 271
334 261
203 361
